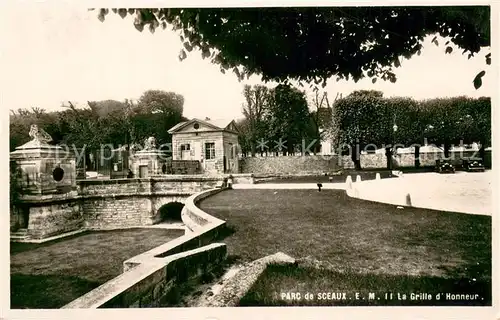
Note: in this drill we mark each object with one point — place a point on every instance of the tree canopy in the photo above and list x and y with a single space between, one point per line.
313 44
103 122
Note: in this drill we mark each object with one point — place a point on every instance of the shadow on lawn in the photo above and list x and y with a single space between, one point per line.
279 279
44 291
226 232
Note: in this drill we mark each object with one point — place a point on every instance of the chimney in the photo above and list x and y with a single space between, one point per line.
207 118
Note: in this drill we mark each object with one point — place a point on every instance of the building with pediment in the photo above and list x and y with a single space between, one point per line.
214 143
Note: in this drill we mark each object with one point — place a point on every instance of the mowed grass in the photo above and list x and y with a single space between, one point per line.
357 239
332 288
52 274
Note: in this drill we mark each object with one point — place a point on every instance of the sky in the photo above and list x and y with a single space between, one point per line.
60 53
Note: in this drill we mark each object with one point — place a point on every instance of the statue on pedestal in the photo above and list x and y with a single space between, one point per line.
38 134
150 143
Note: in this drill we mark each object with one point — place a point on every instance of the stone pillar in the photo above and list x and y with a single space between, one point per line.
44 173
44 169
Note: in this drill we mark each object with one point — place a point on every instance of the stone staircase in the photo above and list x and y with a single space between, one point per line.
19 235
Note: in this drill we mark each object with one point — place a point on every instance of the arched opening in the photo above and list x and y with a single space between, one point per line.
58 174
171 212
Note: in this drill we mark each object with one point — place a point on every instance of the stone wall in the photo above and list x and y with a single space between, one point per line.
184 167
106 204
150 278
323 164
46 220
112 213
243 178
289 164
150 285
203 230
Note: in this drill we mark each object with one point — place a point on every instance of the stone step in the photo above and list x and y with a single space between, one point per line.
20 232
18 238
19 235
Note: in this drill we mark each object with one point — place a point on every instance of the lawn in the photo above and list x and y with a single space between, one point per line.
52 274
367 245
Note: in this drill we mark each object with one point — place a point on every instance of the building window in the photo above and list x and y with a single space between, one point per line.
185 147
209 150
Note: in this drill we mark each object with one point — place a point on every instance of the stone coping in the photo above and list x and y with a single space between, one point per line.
191 207
239 175
193 234
56 237
152 179
235 287
298 174
143 265
50 199
107 291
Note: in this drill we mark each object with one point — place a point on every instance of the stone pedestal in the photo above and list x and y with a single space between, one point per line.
146 163
44 169
149 161
43 173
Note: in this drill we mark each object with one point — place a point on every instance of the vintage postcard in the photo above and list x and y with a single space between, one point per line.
303 160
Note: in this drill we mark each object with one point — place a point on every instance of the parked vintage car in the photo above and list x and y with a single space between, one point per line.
444 166
473 164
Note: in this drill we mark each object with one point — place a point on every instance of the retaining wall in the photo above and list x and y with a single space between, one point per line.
317 164
150 277
150 285
105 204
290 164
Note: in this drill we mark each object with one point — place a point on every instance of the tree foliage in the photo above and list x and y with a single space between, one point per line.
368 118
458 120
277 120
103 122
312 44
155 113
289 119
257 99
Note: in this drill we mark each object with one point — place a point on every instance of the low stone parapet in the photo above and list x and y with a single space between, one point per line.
150 284
148 278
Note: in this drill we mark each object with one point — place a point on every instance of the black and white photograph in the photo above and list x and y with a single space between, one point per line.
168 158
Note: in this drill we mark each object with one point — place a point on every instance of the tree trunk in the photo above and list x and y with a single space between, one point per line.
388 157
417 157
356 158
446 149
482 152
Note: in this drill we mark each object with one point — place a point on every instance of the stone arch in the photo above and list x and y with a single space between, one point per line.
168 209
170 212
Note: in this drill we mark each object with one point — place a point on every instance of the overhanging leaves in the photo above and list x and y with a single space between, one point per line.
312 44
478 79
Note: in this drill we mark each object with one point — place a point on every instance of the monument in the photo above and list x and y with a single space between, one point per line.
40 173
148 161
42 168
